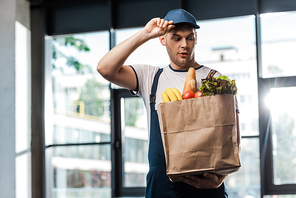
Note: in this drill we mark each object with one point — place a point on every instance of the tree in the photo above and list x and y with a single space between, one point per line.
131 107
72 62
93 105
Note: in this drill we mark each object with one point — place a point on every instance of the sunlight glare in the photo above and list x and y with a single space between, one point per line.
280 101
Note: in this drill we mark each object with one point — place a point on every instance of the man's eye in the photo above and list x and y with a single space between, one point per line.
176 39
191 38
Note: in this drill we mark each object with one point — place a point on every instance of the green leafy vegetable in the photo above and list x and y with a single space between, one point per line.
219 85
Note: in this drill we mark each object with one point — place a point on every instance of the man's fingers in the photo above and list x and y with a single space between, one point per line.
162 21
171 27
209 176
156 20
158 27
190 182
194 178
208 181
165 24
171 22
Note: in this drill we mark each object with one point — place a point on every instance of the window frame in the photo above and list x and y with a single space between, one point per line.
265 129
266 160
116 138
47 147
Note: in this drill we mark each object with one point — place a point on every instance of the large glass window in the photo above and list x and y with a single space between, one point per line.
278 86
246 182
280 196
81 171
283 124
278 44
229 46
78 141
135 141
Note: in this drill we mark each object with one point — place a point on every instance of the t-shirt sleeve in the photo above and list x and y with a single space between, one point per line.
144 75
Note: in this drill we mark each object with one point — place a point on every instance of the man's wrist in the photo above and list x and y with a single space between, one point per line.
143 36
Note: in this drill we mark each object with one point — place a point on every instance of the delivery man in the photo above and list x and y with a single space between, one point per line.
177 32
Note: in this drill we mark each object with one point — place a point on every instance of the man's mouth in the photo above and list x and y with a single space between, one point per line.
183 54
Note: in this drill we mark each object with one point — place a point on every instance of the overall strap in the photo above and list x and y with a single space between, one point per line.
154 86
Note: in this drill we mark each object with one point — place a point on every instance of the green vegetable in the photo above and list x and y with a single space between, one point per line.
219 85
223 78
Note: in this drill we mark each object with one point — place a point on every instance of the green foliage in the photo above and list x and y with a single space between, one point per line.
72 62
79 44
93 104
131 105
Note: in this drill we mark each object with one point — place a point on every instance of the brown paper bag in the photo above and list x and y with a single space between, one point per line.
199 135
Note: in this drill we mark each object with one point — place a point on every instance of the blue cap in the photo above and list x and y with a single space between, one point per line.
181 16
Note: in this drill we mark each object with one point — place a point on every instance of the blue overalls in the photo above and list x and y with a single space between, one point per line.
158 183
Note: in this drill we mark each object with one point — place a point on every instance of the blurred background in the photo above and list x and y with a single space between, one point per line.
66 132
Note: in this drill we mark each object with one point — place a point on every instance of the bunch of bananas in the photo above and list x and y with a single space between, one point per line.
171 94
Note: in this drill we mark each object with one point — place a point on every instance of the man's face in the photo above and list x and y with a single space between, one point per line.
180 44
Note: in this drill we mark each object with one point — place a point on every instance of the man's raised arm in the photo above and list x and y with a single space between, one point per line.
111 65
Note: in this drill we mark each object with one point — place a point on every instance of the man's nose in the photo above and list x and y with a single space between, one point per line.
184 42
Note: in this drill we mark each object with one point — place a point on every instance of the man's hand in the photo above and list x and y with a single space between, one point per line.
209 181
157 27
111 65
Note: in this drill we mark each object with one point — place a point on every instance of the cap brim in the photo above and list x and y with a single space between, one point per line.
191 24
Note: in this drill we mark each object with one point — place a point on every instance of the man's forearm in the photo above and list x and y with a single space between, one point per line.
115 58
111 65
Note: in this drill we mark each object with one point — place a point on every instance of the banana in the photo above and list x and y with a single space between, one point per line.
178 94
171 94
165 97
162 101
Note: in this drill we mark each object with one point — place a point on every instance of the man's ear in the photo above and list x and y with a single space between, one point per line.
162 40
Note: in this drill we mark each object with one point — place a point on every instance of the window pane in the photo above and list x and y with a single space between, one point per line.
246 182
151 52
135 145
279 196
80 171
278 44
81 97
228 46
282 107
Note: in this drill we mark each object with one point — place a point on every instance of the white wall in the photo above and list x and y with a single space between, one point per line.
7 98
15 99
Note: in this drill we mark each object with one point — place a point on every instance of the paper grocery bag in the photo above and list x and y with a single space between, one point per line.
199 135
